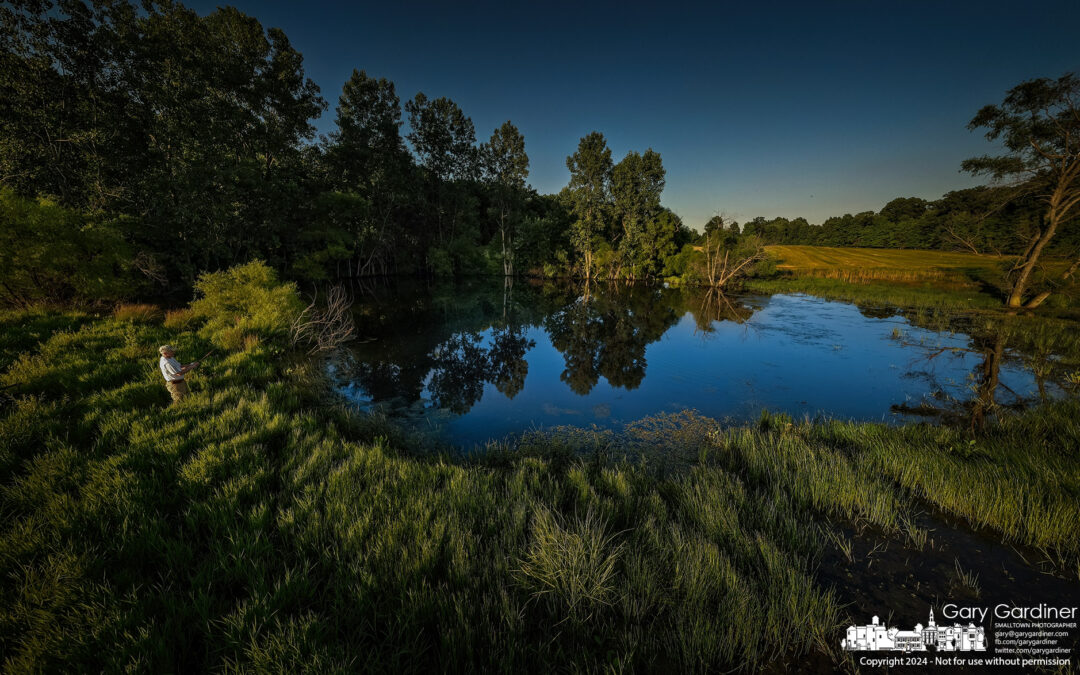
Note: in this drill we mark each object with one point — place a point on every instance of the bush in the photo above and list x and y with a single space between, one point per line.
440 263
245 300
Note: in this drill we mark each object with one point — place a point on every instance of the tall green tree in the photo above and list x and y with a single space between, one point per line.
636 184
1039 125
589 195
59 109
444 140
506 168
193 126
366 158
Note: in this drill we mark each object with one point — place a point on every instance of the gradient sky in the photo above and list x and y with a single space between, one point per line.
812 108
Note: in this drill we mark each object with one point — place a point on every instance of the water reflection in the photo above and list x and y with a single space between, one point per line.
465 362
1046 350
605 334
483 360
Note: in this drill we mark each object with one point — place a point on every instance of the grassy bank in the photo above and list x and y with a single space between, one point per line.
906 278
925 295
257 526
871 264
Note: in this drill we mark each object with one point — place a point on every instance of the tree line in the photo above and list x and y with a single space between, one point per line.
982 220
153 141
141 145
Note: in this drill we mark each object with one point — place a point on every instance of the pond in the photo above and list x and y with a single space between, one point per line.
476 362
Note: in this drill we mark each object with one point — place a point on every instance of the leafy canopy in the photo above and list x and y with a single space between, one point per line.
1039 125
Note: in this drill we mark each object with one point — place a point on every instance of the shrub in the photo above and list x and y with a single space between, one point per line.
245 300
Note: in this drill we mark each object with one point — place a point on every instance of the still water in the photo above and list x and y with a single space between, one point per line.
472 363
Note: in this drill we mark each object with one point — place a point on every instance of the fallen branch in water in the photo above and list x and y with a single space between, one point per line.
326 328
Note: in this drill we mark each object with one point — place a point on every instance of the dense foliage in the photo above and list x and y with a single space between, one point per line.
244 302
982 220
48 252
174 144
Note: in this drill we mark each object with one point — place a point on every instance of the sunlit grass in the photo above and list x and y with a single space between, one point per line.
256 526
879 263
904 277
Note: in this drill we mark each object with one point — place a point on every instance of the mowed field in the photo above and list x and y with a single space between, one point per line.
875 264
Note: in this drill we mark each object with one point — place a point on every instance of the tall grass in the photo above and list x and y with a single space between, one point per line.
142 312
254 526
1021 477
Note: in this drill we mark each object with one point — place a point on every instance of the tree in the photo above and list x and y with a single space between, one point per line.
904 208
636 184
589 193
192 126
444 140
367 136
506 166
727 260
52 254
366 156
1039 125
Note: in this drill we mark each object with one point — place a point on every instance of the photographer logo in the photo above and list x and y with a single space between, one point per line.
876 637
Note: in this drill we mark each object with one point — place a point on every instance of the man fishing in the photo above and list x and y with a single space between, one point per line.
174 372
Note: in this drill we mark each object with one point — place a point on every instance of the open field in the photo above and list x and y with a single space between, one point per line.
806 258
905 277
257 526
862 265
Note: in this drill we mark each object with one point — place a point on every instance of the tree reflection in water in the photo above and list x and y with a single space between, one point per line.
715 307
463 364
1046 348
607 333
439 347
448 344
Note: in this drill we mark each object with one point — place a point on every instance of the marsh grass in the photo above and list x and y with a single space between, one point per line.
142 313
572 564
967 578
258 526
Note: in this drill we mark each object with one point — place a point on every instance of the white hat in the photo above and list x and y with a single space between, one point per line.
165 348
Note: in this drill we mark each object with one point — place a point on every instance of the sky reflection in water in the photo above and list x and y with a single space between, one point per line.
478 363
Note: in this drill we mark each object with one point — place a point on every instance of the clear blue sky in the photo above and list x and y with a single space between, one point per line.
812 108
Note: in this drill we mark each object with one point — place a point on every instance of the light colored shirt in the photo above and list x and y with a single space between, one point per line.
170 368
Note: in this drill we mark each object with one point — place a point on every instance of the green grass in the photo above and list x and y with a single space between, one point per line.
901 264
257 527
903 277
882 294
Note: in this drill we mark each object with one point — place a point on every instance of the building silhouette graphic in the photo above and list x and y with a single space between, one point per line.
876 637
